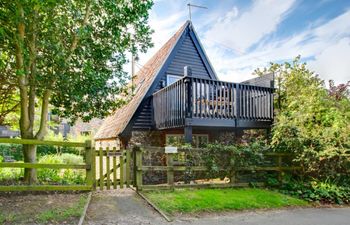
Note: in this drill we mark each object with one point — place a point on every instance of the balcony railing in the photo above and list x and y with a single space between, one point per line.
192 97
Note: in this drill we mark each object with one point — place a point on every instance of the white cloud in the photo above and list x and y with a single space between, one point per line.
333 62
242 31
327 44
228 33
163 28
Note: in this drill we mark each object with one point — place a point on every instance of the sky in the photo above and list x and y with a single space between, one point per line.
241 35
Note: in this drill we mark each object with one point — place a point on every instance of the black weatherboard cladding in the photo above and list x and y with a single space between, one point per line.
186 55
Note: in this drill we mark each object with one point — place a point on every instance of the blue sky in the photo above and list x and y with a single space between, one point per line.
240 36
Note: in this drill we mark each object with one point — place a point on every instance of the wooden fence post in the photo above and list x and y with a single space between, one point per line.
138 168
280 172
233 177
90 160
114 167
108 170
127 168
121 166
170 170
188 104
101 168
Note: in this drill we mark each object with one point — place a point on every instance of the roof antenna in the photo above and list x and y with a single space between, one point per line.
134 58
196 6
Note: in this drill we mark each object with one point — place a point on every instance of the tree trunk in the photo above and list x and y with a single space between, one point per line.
29 152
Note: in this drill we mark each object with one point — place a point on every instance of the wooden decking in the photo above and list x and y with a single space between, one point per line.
194 101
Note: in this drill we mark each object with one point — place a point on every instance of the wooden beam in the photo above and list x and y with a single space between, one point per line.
188 134
46 188
38 142
44 165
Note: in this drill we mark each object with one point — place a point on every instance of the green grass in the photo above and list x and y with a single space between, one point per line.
199 200
9 218
61 214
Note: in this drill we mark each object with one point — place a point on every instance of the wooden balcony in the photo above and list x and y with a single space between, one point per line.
199 102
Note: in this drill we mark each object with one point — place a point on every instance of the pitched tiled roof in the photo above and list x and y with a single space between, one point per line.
117 122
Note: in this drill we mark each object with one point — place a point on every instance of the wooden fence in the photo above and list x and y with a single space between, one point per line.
170 168
113 168
89 166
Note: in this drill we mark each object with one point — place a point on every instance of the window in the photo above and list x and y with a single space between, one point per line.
198 140
172 79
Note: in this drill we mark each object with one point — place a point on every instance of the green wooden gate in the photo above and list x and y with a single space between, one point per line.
112 168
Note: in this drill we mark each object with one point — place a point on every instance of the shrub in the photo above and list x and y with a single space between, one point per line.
311 121
50 175
223 160
63 176
7 174
324 192
69 158
71 176
12 150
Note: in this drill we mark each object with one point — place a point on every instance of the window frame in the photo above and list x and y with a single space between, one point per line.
172 76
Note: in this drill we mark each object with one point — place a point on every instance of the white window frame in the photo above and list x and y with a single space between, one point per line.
172 76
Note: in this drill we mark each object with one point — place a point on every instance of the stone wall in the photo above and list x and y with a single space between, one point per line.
147 138
238 137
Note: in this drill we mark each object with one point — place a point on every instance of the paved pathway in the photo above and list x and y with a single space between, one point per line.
125 207
310 216
122 207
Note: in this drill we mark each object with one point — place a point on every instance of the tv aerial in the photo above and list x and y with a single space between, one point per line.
195 6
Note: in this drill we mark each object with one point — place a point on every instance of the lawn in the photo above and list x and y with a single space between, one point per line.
199 200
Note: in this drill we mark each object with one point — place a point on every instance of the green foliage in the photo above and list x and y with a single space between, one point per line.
15 151
62 176
311 121
56 176
10 174
49 175
223 160
10 217
68 158
74 48
324 192
9 95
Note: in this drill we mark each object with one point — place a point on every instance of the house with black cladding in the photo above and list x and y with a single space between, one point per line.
179 99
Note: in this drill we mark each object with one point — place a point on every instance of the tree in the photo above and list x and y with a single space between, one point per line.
311 121
70 54
9 98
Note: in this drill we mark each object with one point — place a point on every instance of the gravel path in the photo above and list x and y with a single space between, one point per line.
121 207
